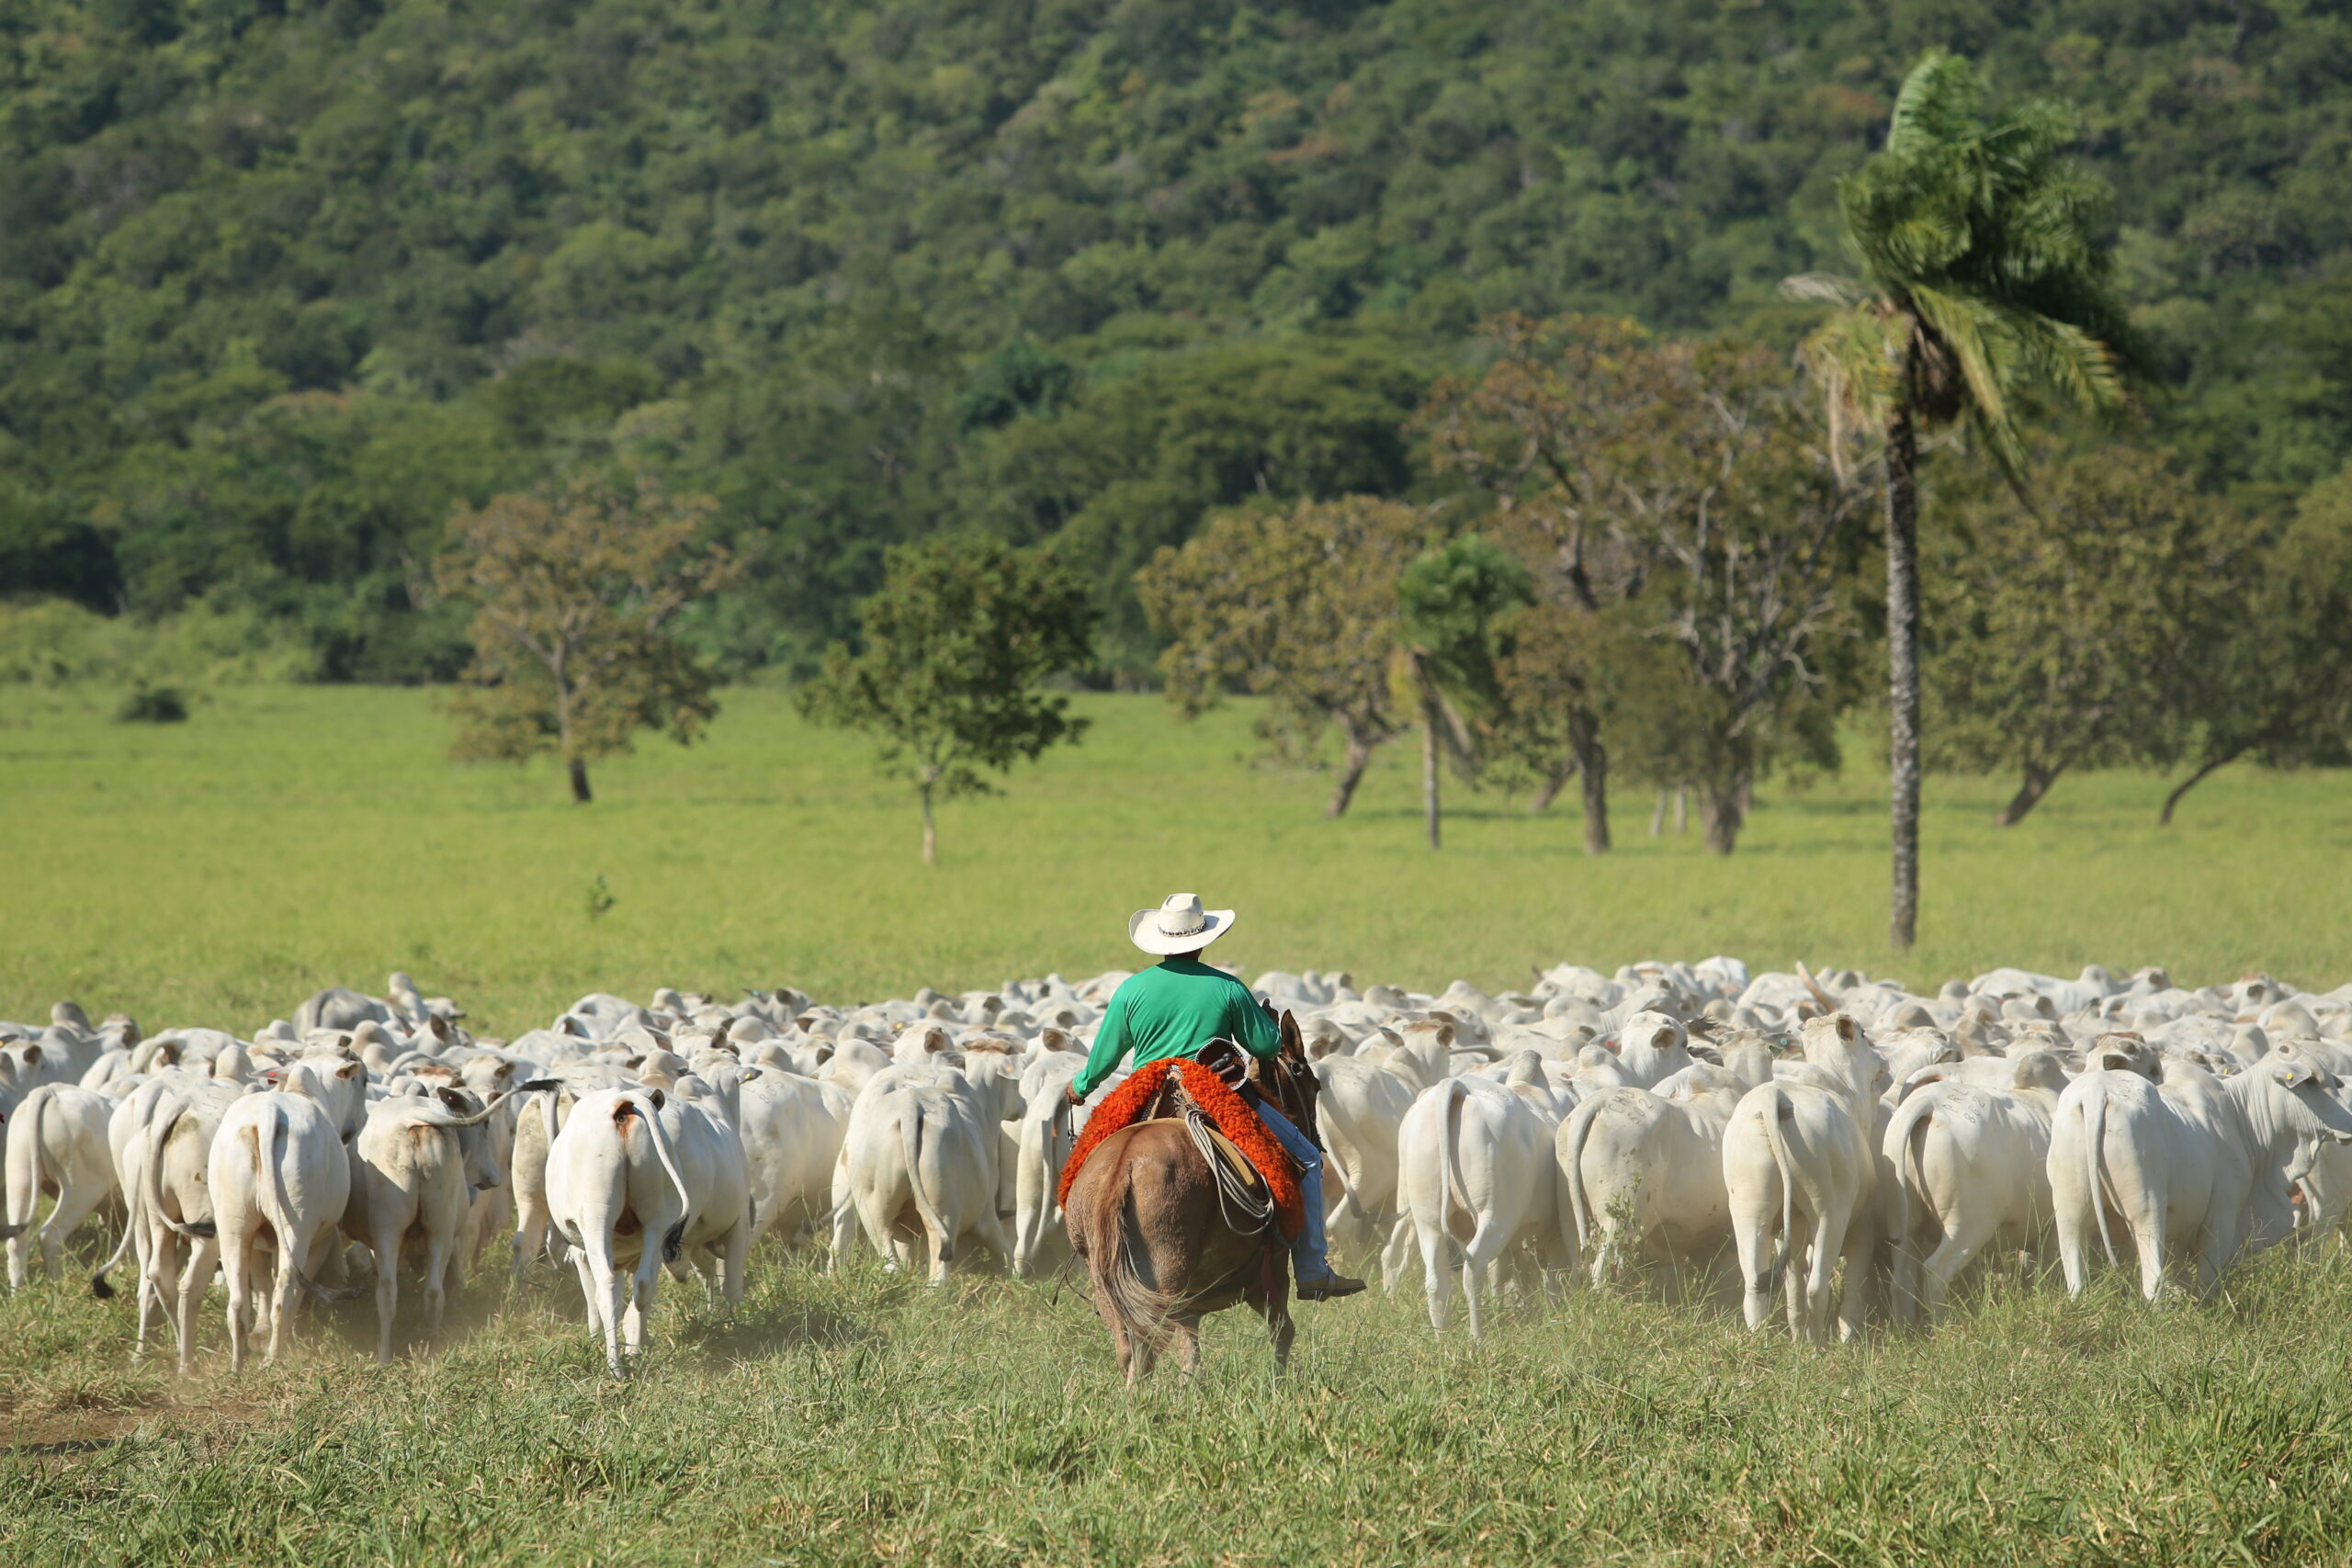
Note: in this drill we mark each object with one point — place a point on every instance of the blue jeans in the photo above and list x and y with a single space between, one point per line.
1307 1254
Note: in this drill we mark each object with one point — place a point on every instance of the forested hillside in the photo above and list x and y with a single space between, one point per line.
282 282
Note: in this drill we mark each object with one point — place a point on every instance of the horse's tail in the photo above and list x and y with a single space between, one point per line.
1143 1310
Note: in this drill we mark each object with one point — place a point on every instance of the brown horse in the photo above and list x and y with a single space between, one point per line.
1159 1244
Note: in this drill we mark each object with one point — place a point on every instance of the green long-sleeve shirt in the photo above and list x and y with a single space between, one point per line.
1173 1008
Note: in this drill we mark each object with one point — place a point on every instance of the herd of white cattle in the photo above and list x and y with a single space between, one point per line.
1634 1123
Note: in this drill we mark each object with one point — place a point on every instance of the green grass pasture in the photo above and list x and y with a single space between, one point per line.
290 838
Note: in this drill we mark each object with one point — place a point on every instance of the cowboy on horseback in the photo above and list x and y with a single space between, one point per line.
1177 1008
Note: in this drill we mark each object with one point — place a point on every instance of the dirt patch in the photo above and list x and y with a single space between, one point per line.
65 1433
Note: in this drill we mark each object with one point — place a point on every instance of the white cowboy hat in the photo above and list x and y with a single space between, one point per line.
1180 925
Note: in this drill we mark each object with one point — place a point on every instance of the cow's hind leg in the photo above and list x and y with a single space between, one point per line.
387 1247
1752 1236
196 1277
236 1269
439 1259
1437 1272
1398 1248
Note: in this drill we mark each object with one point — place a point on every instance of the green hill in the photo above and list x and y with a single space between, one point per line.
281 281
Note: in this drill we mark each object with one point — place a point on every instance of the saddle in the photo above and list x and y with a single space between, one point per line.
1253 1169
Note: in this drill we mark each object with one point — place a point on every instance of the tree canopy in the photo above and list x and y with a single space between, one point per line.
282 285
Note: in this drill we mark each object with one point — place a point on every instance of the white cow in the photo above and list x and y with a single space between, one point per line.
1798 1169
1639 1167
921 1158
1651 1046
415 1168
173 1202
1361 1107
56 1148
633 1178
1047 1131
2199 1160
1969 1163
279 1176
792 1129
1475 1169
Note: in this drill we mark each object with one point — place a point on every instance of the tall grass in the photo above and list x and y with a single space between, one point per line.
867 1418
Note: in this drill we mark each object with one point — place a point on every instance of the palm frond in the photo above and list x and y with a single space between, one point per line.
1984 351
1824 288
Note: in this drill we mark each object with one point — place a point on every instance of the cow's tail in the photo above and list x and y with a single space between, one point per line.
1777 1141
98 1286
35 1105
2094 1144
1448 1163
1906 1135
1581 1122
150 1177
646 1113
277 1208
911 1146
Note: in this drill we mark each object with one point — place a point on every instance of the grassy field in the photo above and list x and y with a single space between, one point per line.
290 838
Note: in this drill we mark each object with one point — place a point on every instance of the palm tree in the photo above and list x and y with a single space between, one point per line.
1984 282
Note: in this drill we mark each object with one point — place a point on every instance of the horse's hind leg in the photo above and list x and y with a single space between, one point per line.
1135 1357
1185 1332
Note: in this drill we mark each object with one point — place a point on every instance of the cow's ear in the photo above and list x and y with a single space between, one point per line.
658 1099
1847 1028
634 1063
347 1071
749 1074
2114 1063
825 1054
454 1100
1661 1039
2294 1074
32 1056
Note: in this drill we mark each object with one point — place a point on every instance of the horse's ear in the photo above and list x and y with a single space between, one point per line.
1291 1043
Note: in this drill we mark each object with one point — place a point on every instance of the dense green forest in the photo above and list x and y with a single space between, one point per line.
282 282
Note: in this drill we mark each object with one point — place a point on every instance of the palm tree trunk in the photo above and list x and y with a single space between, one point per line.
1593 765
1903 669
1429 769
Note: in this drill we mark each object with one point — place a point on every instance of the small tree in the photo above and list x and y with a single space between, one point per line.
956 642
1537 435
1299 606
1449 603
2067 640
574 588
2277 683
